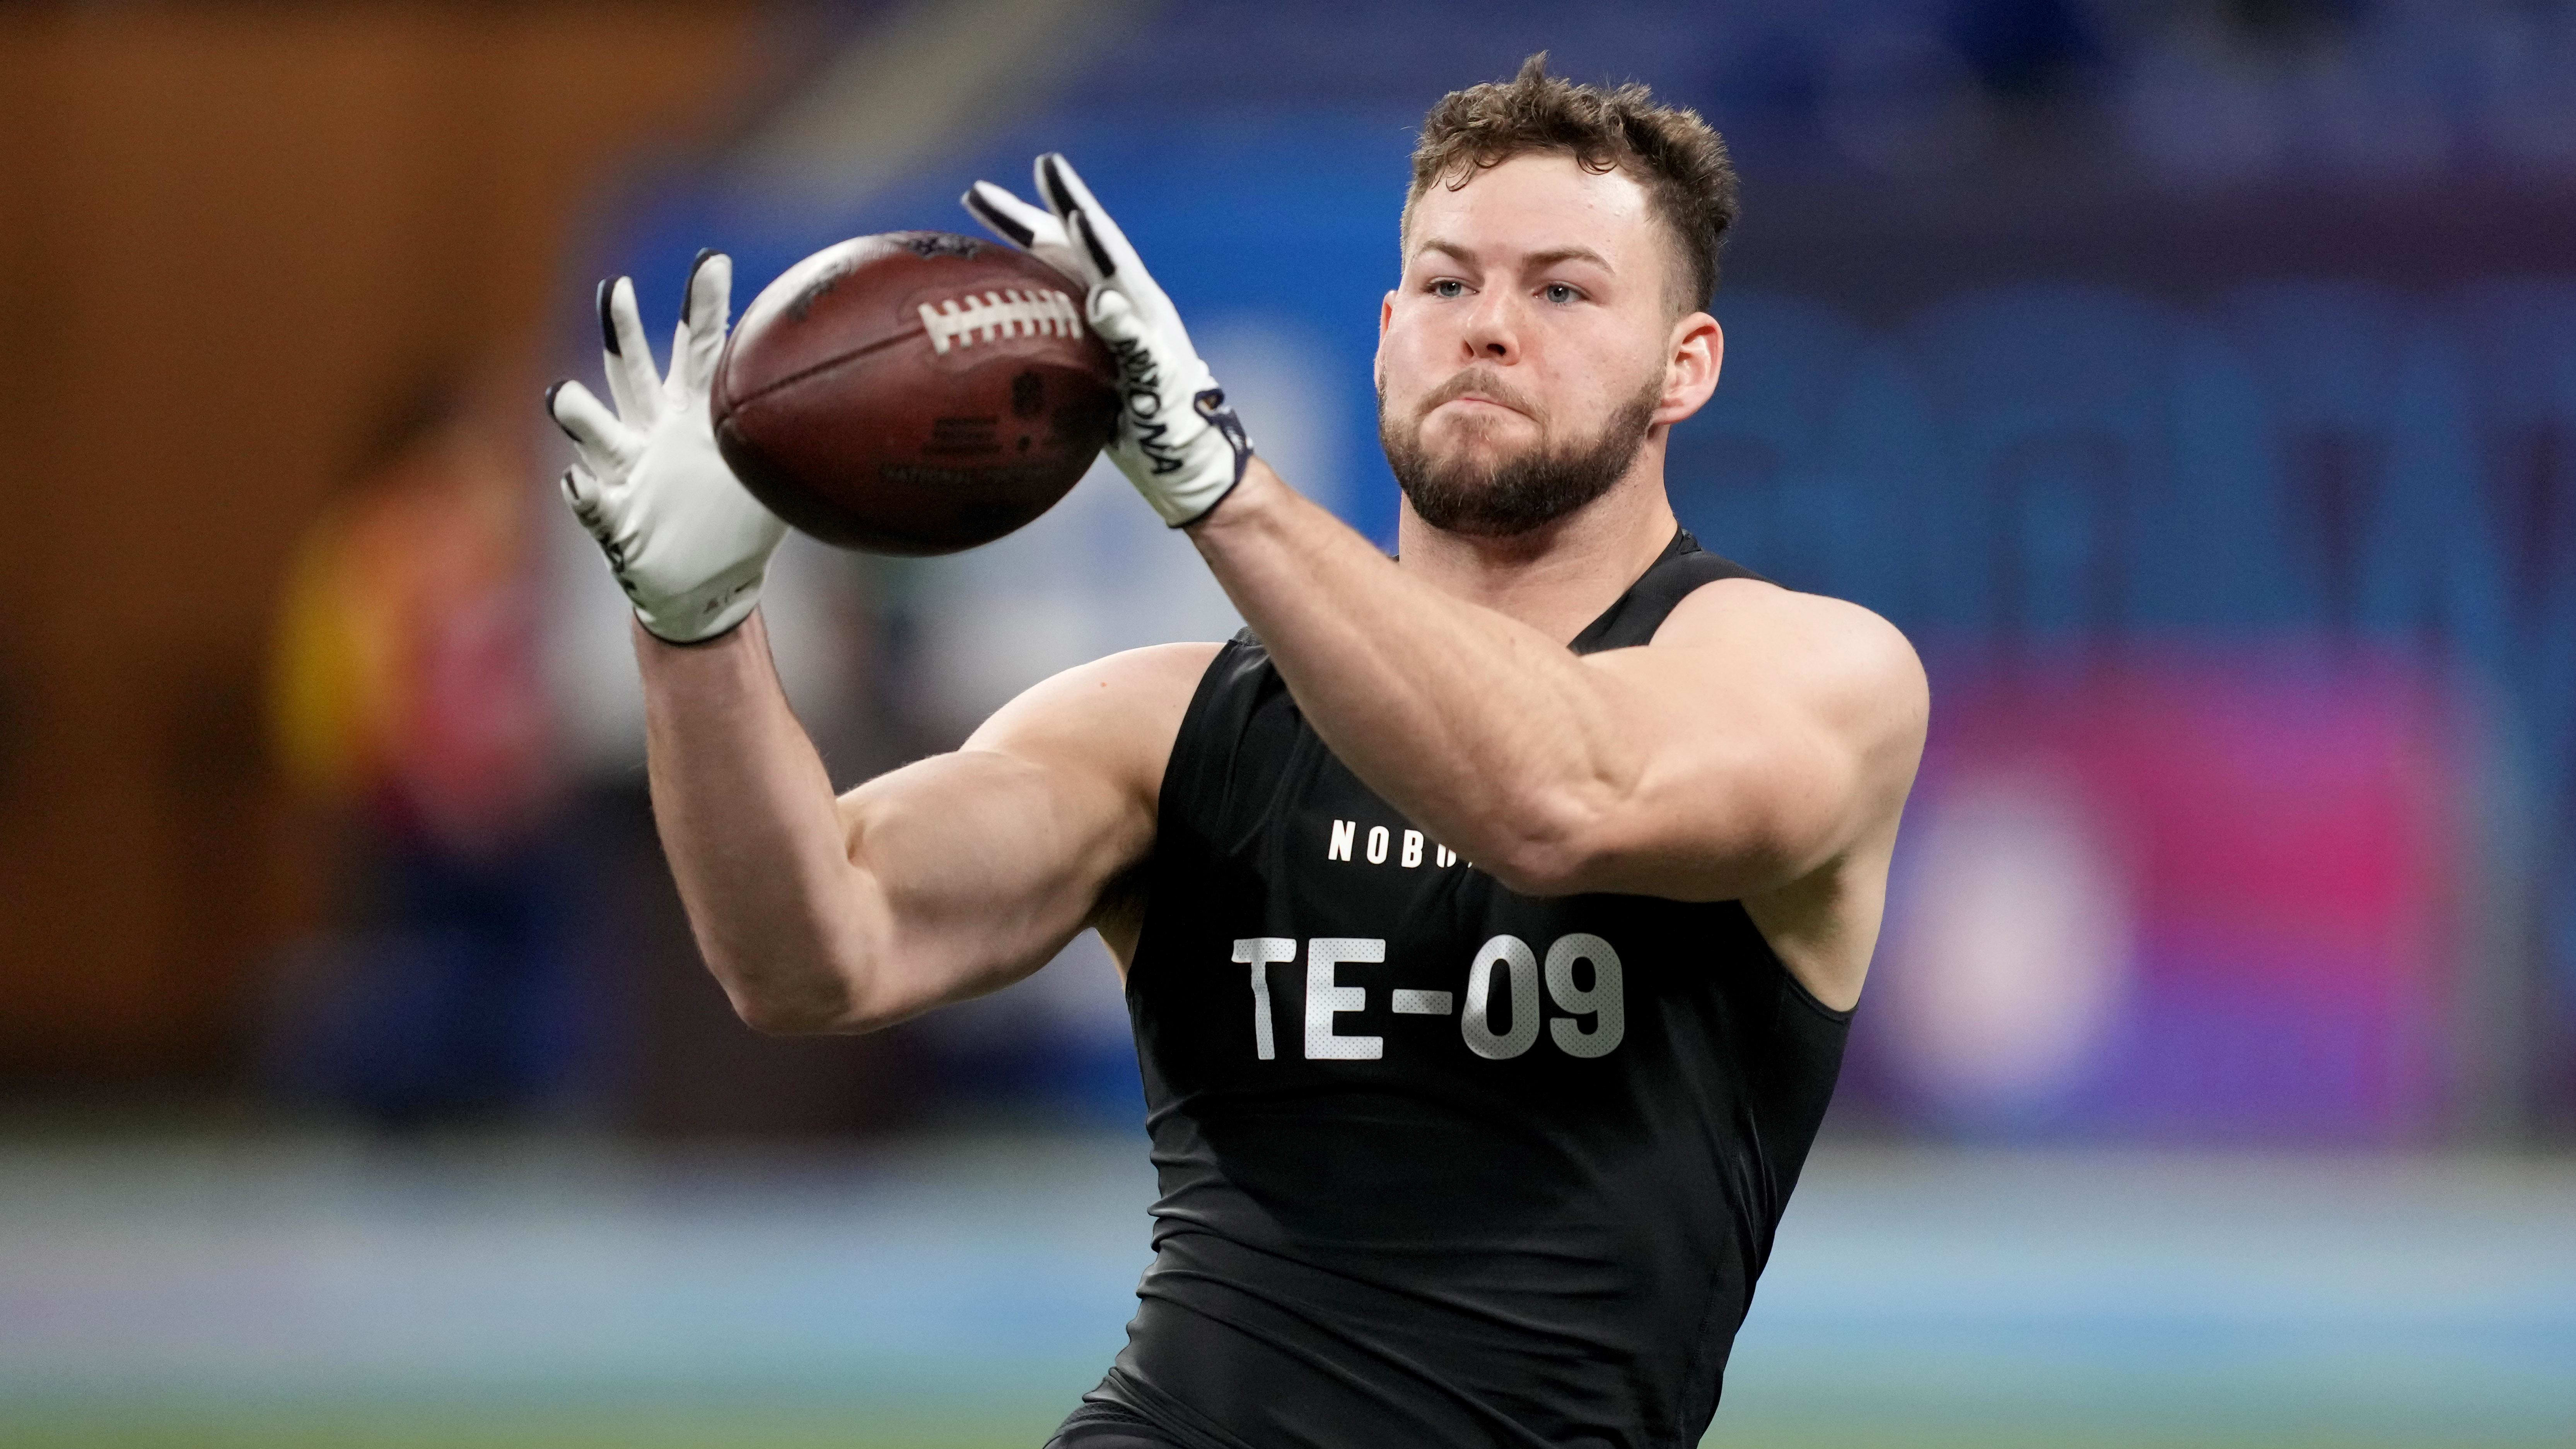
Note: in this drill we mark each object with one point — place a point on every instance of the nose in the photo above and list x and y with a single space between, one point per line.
1493 329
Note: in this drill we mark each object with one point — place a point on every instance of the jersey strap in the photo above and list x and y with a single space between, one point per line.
1682 567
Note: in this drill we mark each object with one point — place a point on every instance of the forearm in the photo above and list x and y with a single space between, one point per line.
1481 729
747 819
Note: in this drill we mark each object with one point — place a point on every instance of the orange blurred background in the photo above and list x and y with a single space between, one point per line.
240 242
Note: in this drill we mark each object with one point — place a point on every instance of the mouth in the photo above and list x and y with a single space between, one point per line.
1474 402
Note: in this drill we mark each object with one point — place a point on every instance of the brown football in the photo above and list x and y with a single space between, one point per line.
913 393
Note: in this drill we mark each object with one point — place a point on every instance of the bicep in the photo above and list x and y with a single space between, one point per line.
980 865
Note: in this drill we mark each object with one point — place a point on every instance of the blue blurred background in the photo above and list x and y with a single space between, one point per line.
2194 382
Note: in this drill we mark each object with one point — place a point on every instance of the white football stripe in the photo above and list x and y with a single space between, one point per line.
960 321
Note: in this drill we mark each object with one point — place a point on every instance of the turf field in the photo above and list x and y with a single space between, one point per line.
961 1292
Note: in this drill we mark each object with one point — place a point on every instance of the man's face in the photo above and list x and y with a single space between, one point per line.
1527 354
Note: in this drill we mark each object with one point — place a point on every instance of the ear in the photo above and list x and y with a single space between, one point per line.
1693 353
1377 363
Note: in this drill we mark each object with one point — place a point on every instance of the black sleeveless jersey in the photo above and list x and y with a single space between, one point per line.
1440 1165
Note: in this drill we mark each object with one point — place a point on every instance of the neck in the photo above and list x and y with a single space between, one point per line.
1558 577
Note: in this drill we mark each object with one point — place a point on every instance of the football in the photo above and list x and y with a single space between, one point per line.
913 393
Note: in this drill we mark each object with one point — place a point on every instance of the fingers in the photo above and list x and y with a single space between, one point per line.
705 304
1102 242
632 383
1091 246
606 446
1114 317
1006 216
1033 229
608 346
583 492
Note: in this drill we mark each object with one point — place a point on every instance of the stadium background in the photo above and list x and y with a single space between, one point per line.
2194 381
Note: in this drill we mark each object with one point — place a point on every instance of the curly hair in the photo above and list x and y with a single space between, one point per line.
1668 150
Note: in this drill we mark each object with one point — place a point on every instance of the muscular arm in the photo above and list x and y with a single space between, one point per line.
1761 735
939 881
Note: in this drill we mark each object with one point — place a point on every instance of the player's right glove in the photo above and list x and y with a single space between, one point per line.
1177 441
687 542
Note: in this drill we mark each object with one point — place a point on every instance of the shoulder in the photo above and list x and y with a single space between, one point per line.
1127 693
1836 682
1832 642
1118 714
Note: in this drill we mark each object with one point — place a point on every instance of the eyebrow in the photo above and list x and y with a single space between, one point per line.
1547 258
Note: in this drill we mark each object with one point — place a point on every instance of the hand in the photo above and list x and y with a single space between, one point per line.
1177 441
684 539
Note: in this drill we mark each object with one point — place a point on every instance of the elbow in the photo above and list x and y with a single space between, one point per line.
1539 875
786 1018
1556 845
817 1007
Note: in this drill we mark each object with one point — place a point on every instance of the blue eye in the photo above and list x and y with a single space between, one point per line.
1448 287
1560 292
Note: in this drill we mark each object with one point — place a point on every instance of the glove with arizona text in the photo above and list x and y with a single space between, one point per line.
1177 441
687 543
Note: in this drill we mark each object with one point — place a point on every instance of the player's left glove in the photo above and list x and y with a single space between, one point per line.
1177 441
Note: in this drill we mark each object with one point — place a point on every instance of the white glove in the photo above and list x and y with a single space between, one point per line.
685 540
1177 441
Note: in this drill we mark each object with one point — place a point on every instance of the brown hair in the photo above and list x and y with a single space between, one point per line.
1668 150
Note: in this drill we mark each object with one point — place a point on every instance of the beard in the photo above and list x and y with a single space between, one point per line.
1518 493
